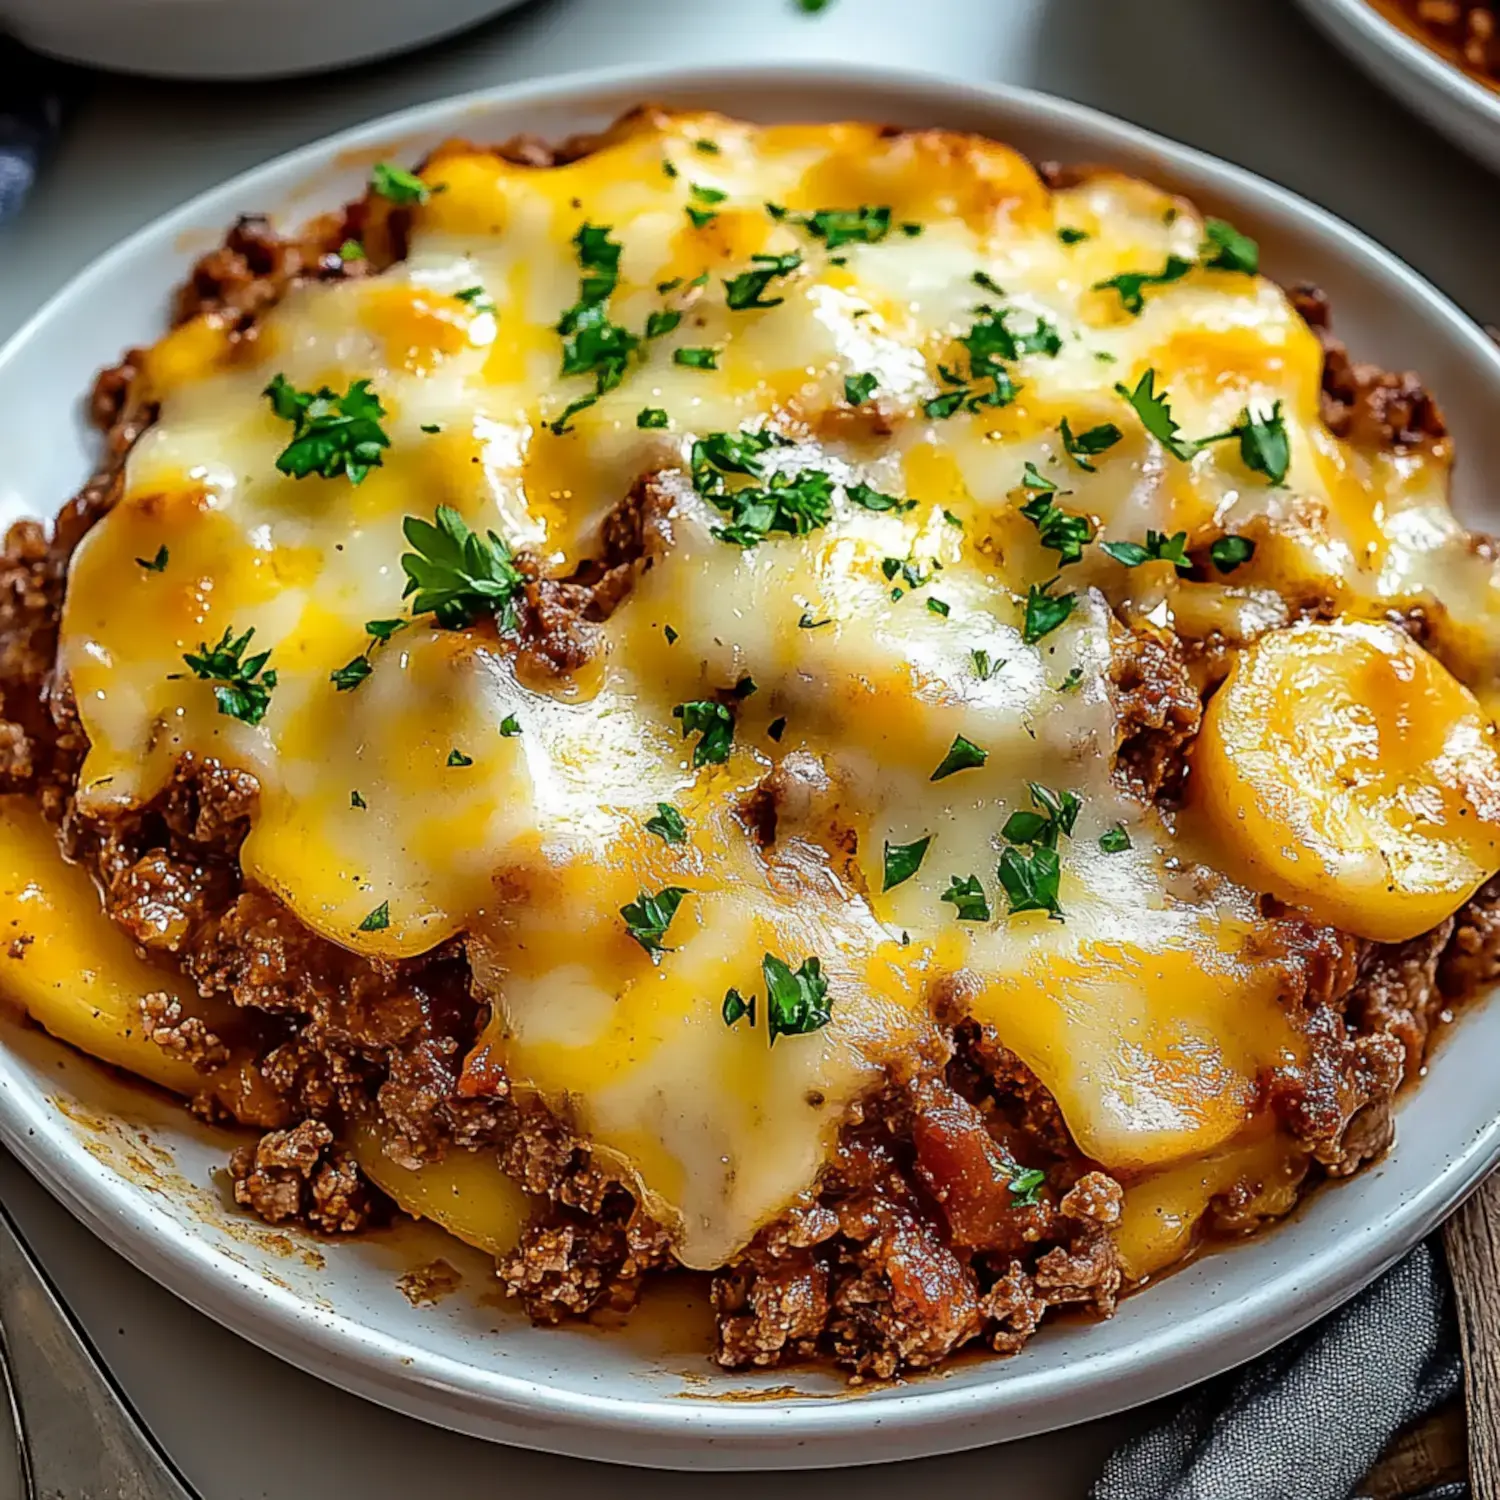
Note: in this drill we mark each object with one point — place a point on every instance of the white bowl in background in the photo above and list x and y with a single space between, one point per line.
1464 109
141 1173
232 38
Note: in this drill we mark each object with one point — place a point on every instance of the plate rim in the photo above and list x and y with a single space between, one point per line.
1370 24
488 1401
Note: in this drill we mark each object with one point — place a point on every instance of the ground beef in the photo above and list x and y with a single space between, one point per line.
181 1035
1369 406
1157 711
299 1176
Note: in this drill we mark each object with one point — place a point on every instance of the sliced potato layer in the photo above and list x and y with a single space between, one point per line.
1346 771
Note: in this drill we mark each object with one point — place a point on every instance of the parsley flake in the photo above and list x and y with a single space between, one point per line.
1130 285
985 666
1034 479
696 359
1156 416
1159 547
736 1008
963 755
1114 840
1026 1186
1045 611
398 185
1071 236
378 920
1083 446
458 758
592 343
331 434
848 226
457 575
1228 552
242 688
510 727
351 250
1055 814
1031 878
938 607
713 723
1224 248
902 861
859 388
355 800
157 563
797 1001
667 824
1264 445
648 917
651 416
747 290
1061 531
967 898
872 499
776 728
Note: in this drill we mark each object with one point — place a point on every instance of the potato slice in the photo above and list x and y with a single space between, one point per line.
1346 771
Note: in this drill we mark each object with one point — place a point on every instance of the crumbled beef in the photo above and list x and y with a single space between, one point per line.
1369 406
299 1176
557 638
181 1035
161 901
1472 960
1157 712
1397 992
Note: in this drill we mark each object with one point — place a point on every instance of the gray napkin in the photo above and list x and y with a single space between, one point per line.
1309 1419
33 94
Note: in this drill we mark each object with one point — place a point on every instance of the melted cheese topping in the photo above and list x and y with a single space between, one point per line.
1149 1012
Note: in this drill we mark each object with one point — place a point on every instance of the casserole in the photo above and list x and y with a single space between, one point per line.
1018 1370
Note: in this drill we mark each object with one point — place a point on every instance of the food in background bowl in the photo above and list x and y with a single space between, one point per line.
647 702
1463 31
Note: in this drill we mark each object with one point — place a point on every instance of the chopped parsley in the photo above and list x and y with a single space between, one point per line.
776 728
242 688
651 416
1159 547
648 917
1083 446
667 824
1061 531
1156 416
398 185
696 359
1130 285
967 898
1055 814
988 282
592 343
938 607
355 800
457 575
985 666
872 499
1262 436
1045 611
353 673
1224 248
902 861
859 388
736 1008
510 727
1070 236
458 758
713 723
963 755
157 563
1031 878
797 1000
476 298
1228 552
747 290
662 322
791 504
378 920
671 635
431 427
1026 1185
351 250
1034 479
331 434
848 226
707 147
1114 840
1071 681
1264 445
808 623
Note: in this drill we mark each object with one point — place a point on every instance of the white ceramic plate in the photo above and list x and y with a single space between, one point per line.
141 1173
1465 110
231 39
